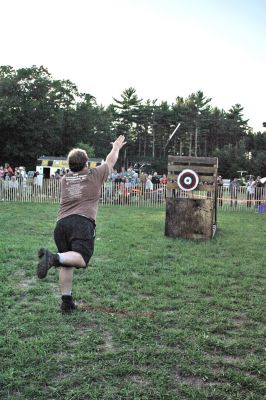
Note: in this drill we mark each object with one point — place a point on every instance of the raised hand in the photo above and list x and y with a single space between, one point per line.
119 142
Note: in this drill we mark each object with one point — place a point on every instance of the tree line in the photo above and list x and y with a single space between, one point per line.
43 116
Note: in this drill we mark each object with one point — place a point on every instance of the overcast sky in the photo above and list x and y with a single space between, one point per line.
163 48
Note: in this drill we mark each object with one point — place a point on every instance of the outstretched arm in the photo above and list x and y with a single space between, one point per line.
113 155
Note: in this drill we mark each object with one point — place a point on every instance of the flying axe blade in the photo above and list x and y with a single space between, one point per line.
172 134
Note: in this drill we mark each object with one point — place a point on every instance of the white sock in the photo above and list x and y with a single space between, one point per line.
61 258
69 293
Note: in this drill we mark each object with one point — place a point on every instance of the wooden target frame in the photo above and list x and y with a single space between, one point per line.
187 180
191 209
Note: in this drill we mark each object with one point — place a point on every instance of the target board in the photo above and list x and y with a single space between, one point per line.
187 180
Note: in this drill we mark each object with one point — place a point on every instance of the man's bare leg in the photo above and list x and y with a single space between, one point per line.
68 260
65 280
72 259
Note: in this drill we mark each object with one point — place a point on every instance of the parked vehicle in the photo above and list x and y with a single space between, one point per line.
226 182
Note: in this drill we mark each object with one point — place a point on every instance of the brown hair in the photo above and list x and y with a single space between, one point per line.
77 159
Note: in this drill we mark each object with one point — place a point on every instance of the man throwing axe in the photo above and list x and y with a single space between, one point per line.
74 233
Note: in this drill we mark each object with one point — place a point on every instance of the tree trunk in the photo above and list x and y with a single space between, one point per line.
145 143
190 144
139 150
153 142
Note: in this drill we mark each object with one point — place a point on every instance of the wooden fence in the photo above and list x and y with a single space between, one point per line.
121 195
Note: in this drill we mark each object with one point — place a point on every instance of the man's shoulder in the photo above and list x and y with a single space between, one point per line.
102 169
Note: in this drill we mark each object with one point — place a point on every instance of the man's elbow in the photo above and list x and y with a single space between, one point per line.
110 163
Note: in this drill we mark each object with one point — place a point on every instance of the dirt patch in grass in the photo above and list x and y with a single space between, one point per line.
108 342
195 381
240 321
83 327
139 379
114 311
231 359
21 281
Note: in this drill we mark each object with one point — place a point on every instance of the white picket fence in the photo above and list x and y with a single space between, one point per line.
120 195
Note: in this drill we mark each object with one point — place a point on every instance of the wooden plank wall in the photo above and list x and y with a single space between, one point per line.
205 167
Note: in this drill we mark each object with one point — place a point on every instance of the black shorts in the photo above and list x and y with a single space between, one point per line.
75 233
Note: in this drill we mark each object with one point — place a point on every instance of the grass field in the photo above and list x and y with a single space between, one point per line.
166 319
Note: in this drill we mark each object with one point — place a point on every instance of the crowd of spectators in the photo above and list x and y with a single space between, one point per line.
131 178
254 191
128 182
14 181
7 172
119 184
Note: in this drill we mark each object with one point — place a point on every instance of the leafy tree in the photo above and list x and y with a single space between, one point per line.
87 147
231 159
42 116
126 115
33 114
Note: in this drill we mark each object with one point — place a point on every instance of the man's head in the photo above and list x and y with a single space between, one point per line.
77 160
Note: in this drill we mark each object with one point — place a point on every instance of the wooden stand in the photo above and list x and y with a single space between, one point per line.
192 214
189 218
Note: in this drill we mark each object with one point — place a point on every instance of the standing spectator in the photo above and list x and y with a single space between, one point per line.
34 184
258 190
163 180
57 174
13 188
6 187
148 186
5 171
37 183
234 189
250 187
10 170
135 180
108 189
155 179
220 184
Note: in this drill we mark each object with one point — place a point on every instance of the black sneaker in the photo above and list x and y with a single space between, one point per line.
47 260
68 304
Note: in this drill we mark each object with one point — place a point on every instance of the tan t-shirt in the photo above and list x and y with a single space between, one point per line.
81 191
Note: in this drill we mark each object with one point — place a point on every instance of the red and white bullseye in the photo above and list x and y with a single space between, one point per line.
187 180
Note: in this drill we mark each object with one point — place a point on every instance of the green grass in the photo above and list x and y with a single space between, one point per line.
203 336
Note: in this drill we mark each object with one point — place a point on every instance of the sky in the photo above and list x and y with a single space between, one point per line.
162 48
